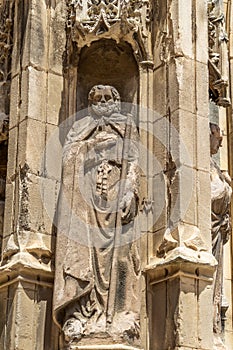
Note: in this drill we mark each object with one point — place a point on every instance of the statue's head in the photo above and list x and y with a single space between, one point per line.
215 138
103 100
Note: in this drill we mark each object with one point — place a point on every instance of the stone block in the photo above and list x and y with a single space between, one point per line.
182 190
153 145
177 292
204 210
55 94
144 314
49 191
14 102
203 143
47 332
52 154
10 325
20 32
173 88
227 292
57 37
227 259
205 312
183 138
190 212
230 37
159 154
3 318
35 145
201 32
202 89
181 13
24 336
187 334
159 202
32 214
10 204
160 91
22 143
160 320
12 153
181 71
29 304
36 36
31 207
33 94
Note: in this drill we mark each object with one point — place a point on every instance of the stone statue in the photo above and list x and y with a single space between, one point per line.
97 279
220 206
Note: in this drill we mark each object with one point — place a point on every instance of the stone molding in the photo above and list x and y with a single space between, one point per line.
200 266
22 266
128 20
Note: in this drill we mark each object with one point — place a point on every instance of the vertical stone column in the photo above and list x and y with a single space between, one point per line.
228 271
26 273
147 182
181 267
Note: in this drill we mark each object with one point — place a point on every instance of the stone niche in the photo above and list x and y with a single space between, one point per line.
109 63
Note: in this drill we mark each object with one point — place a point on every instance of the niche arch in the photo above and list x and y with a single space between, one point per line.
109 63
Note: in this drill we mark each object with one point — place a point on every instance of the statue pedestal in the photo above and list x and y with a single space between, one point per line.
180 300
102 347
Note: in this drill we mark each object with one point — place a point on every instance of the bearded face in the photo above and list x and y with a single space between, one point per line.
215 141
102 102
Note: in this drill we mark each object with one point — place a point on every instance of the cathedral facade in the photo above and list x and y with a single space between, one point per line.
116 166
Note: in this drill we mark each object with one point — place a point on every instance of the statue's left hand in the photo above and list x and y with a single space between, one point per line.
128 206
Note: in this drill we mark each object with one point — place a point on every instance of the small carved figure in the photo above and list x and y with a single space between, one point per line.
97 255
220 205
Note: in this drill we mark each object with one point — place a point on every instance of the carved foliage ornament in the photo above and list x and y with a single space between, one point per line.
5 38
100 16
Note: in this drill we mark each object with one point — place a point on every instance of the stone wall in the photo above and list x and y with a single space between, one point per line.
163 67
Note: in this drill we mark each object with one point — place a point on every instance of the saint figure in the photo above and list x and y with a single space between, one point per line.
97 278
220 220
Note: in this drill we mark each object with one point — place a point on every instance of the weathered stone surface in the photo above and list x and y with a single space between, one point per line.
155 53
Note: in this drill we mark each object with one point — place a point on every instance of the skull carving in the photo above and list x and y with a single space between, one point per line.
103 100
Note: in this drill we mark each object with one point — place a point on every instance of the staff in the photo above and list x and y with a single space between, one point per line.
117 237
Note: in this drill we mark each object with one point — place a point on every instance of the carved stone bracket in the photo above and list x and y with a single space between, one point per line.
218 66
117 19
185 237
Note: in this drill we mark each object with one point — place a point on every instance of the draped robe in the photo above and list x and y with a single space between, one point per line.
220 211
87 210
